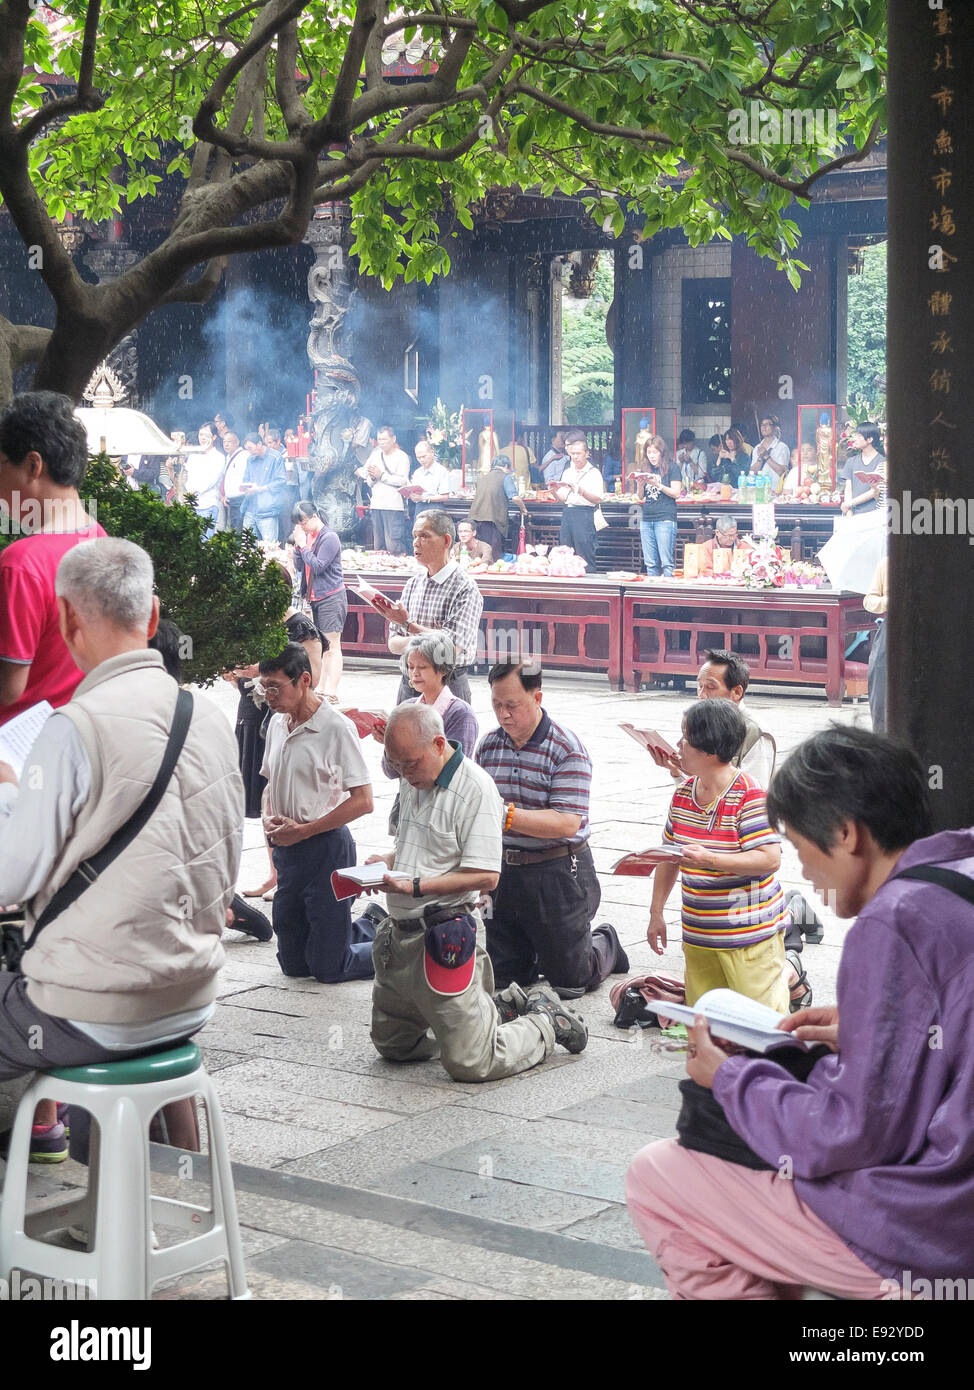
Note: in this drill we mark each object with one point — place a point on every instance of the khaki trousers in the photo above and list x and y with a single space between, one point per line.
752 970
467 1033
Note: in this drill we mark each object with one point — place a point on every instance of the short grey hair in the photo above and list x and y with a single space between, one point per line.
441 523
422 720
438 648
108 579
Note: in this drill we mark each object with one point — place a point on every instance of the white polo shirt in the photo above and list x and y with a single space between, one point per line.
311 769
454 825
589 477
395 474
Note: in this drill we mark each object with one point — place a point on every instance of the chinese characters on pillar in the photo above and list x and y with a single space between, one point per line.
943 377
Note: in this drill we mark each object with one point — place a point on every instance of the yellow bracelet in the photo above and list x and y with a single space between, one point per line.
510 816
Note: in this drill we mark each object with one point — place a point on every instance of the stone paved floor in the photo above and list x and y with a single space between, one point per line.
358 1178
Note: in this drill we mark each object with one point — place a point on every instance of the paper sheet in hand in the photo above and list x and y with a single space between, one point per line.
18 734
732 1016
870 479
649 739
365 720
641 865
371 595
348 883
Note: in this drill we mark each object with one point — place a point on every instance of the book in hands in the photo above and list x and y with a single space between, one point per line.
348 883
379 601
870 479
412 491
366 720
650 740
18 735
733 1017
641 865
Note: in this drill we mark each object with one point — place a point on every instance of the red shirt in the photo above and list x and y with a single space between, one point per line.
29 632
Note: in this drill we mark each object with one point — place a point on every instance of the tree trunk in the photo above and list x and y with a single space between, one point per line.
75 348
931 400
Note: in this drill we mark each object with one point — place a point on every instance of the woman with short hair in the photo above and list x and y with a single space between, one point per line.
428 663
734 912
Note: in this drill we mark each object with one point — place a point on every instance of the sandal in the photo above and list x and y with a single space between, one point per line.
804 997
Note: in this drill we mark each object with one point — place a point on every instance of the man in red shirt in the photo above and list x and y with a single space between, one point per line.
43 456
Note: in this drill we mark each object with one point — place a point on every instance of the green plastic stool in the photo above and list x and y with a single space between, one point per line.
119 1210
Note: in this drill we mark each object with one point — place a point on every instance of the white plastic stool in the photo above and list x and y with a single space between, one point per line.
118 1210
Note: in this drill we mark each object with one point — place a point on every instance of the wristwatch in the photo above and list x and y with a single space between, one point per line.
416 892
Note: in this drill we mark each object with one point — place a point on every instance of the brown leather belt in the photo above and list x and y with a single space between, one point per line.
431 917
540 856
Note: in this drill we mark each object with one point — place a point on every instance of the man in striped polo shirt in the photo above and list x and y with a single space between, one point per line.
540 918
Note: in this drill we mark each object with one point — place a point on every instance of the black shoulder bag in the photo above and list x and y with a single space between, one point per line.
702 1124
89 870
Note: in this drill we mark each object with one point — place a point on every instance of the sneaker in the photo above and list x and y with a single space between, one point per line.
511 1002
64 1117
48 1143
570 1030
375 913
250 920
621 966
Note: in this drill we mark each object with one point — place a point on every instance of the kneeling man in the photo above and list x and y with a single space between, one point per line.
431 975
317 784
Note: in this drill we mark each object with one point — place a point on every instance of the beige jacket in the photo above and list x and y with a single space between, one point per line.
143 941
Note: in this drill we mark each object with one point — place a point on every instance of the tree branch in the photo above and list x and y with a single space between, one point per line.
204 126
86 97
197 291
293 109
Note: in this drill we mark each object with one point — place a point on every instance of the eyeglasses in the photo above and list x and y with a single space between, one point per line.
275 689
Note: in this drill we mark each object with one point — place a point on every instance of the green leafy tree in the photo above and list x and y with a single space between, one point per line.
587 365
270 108
866 336
226 599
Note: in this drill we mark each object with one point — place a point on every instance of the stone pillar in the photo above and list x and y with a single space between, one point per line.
930 390
108 260
329 282
631 322
555 404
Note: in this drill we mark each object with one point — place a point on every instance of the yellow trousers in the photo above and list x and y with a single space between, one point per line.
752 970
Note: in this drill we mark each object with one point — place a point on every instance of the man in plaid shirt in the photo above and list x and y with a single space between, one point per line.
441 598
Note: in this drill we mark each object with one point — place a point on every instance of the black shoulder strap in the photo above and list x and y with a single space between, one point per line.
89 869
947 878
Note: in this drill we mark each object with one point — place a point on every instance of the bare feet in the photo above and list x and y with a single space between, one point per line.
259 892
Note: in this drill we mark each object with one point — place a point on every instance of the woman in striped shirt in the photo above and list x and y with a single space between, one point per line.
733 907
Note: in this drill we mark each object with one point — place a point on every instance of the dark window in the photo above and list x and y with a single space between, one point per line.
706 341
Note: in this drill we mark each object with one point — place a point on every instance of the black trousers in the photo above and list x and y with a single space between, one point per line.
578 531
539 924
315 933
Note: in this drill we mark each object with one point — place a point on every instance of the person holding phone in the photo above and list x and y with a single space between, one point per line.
658 493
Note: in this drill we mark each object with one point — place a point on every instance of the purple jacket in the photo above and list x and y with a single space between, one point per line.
881 1137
